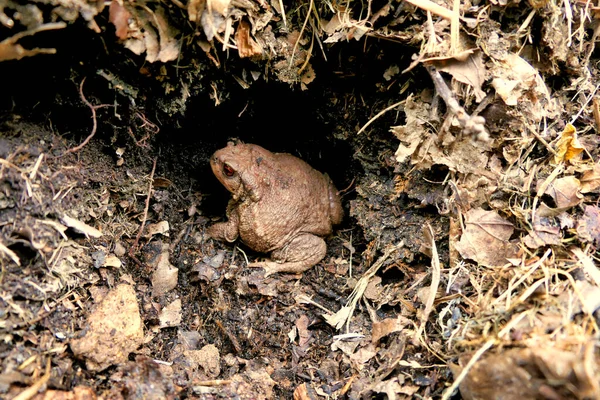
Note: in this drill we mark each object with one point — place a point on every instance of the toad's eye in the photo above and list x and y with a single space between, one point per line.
227 170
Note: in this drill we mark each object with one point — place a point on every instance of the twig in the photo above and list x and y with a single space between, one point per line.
212 382
379 115
94 121
33 389
472 125
232 338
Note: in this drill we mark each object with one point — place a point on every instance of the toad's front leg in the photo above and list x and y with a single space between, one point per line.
304 251
227 231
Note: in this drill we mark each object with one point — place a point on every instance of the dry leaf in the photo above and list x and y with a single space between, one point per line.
161 227
195 9
565 192
164 277
568 146
214 17
517 82
170 315
150 32
590 181
485 238
588 225
247 47
112 261
545 232
389 325
522 373
414 131
303 333
119 17
470 71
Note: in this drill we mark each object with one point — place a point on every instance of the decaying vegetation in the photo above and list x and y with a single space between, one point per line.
468 262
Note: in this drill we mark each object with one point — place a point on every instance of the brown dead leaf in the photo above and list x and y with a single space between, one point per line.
161 227
150 32
195 8
171 315
112 261
470 71
112 331
304 335
568 146
414 131
565 192
119 17
545 232
305 392
485 238
247 47
588 226
517 82
164 277
307 77
213 18
389 325
590 181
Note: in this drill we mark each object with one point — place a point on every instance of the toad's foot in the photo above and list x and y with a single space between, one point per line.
297 256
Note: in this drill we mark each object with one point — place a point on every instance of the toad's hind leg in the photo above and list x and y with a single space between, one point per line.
304 251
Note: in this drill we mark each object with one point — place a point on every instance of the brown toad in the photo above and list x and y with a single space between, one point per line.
279 204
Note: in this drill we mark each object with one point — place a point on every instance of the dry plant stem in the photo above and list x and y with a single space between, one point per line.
379 114
283 14
436 9
139 235
542 140
310 7
213 382
435 282
10 254
343 316
559 168
455 27
512 285
587 263
33 389
94 121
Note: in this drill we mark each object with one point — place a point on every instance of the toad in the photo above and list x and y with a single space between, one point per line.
279 205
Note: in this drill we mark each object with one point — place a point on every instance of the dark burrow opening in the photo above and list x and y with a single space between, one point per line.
318 125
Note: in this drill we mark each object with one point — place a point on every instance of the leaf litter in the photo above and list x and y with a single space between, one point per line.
513 297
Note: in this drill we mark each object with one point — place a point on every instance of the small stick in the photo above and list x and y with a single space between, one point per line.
379 114
33 389
232 338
